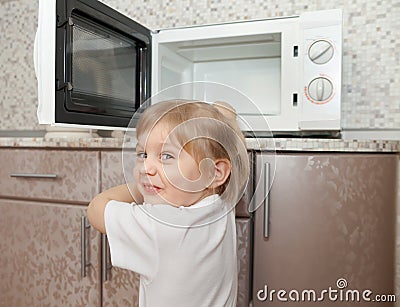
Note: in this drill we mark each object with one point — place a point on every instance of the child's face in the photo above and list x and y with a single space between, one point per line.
165 173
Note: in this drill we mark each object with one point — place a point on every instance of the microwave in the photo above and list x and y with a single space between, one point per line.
96 67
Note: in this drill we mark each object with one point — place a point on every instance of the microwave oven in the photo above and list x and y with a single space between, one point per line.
95 66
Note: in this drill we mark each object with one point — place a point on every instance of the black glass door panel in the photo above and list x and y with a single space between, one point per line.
103 64
104 69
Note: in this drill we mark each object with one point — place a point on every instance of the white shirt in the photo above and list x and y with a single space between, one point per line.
178 266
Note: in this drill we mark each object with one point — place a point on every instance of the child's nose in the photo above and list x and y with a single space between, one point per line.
149 167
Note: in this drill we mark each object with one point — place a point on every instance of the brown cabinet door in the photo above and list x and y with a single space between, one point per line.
331 225
242 208
120 287
41 251
243 232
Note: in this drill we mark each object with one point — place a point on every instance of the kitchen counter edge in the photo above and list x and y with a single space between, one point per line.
267 144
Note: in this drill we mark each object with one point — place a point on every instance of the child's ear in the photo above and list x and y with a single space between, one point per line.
222 171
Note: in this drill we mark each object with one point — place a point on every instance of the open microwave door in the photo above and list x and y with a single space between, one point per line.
93 64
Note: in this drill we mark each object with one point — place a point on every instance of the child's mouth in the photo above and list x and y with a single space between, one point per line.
151 189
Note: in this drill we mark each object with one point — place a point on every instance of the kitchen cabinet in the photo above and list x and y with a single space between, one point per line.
40 252
57 175
121 287
43 200
330 216
327 221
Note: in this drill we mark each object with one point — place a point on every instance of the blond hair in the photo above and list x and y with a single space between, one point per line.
205 131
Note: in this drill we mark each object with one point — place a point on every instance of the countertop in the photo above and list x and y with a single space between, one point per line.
270 144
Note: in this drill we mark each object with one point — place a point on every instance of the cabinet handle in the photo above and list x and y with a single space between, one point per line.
266 200
84 263
105 266
27 175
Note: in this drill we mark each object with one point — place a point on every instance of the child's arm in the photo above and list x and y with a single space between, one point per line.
95 212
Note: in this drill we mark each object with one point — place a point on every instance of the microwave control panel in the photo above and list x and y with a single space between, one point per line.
322 70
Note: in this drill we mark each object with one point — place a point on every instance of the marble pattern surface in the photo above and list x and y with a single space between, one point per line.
274 144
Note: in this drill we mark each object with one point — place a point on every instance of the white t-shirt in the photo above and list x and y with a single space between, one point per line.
178 266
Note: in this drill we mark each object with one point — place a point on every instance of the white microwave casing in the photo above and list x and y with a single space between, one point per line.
309 93
297 72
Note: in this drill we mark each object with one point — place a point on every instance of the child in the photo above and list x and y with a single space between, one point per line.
191 170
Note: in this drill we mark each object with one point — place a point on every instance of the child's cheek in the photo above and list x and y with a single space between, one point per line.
136 171
184 180
171 174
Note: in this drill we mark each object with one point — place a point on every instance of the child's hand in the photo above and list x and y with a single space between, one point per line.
121 193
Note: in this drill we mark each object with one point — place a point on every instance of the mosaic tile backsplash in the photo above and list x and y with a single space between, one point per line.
371 40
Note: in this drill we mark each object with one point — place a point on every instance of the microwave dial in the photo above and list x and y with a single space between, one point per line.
320 52
320 90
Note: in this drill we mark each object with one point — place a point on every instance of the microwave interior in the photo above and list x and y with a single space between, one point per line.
250 64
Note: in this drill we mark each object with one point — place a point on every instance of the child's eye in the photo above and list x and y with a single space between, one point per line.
166 156
141 155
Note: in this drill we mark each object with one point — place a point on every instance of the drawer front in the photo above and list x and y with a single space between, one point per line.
112 175
59 175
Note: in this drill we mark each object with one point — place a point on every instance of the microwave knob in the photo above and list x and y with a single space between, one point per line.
320 52
320 89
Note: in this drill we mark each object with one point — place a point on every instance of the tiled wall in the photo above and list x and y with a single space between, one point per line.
371 69
18 88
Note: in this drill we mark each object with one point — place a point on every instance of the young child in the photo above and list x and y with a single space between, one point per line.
175 225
